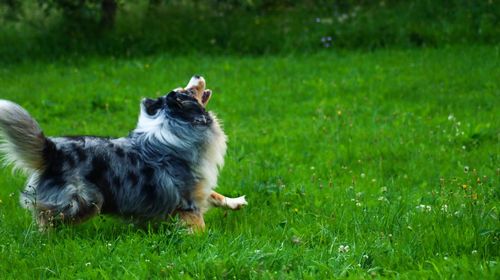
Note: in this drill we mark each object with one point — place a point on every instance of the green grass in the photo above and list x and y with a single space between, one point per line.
331 149
238 27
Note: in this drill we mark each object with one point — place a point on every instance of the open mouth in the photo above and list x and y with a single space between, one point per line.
196 88
206 96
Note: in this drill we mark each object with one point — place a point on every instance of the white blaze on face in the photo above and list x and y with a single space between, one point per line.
197 82
197 87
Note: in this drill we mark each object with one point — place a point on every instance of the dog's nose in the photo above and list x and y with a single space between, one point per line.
197 83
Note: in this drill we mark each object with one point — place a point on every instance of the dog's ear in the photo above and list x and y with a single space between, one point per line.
151 106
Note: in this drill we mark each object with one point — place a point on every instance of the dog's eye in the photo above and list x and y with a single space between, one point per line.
152 106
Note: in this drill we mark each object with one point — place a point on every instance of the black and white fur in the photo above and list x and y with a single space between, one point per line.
168 164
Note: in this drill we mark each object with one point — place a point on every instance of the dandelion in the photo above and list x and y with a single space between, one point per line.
343 248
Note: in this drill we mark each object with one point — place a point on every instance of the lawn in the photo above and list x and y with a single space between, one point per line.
355 164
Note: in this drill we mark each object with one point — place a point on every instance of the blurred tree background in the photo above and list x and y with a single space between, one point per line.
54 28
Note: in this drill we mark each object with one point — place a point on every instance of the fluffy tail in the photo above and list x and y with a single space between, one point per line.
21 139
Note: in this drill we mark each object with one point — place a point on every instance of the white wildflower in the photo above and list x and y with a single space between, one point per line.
424 208
383 199
343 248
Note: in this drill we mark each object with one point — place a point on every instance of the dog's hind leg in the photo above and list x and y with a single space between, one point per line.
218 200
72 205
193 219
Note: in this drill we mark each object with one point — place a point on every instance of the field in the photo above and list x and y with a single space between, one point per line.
355 164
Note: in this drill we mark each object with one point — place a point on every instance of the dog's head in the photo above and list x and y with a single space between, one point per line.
182 104
196 89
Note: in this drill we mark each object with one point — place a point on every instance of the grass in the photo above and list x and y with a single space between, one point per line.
244 27
394 154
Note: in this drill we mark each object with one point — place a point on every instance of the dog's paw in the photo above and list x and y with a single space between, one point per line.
236 203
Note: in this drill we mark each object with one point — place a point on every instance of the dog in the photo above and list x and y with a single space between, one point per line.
168 165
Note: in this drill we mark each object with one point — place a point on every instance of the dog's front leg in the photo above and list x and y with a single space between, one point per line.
218 200
194 220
